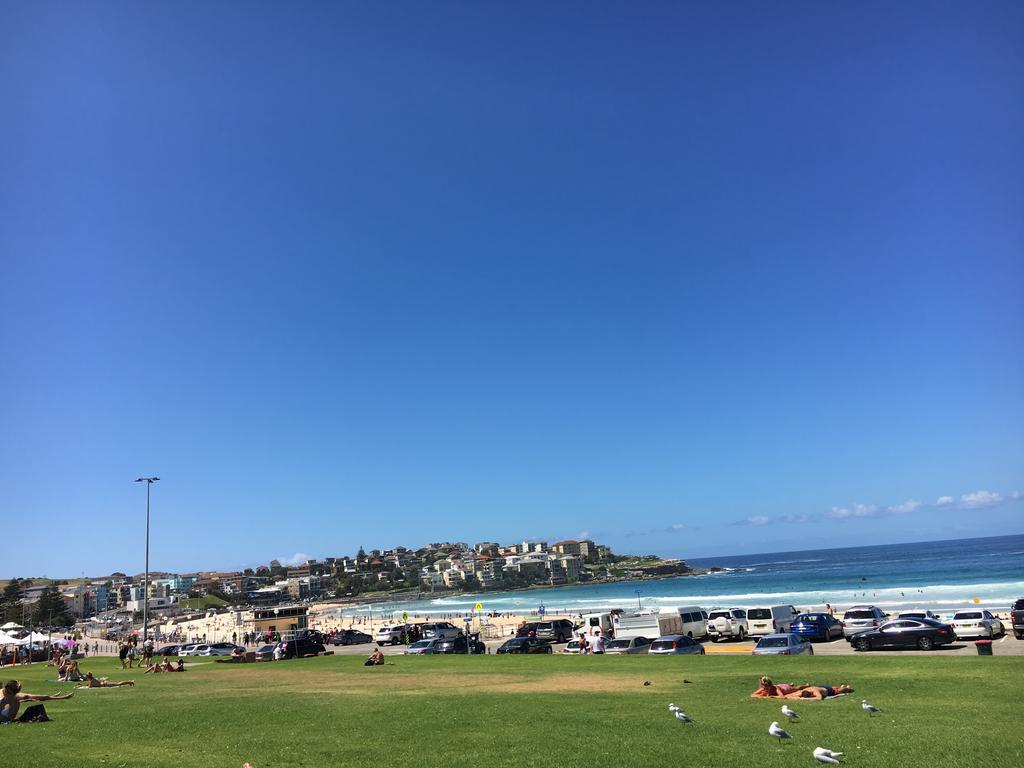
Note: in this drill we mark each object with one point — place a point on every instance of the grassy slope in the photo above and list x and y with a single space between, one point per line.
459 711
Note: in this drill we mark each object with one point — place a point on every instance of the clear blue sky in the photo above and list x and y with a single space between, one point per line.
371 274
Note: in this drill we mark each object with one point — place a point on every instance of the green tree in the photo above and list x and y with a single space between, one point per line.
51 610
10 601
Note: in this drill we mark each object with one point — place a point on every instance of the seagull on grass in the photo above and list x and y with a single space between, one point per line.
869 708
673 708
789 712
823 755
682 717
778 732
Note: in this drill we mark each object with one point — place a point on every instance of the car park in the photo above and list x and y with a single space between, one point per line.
724 623
525 645
676 645
350 637
976 623
816 626
922 634
862 617
627 646
783 644
423 647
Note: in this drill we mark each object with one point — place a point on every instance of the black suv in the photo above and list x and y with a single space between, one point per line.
309 642
461 644
1017 618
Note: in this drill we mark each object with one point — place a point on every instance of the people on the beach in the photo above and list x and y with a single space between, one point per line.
11 697
94 682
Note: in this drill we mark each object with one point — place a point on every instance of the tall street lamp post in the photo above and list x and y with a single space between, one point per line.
145 593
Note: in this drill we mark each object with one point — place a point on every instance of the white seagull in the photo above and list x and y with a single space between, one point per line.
823 755
789 712
673 708
682 717
869 708
778 732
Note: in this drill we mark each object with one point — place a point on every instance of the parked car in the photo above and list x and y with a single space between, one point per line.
188 650
767 619
816 626
266 652
977 624
923 634
727 622
557 631
628 646
391 634
573 646
303 646
1017 618
217 649
423 647
783 644
917 614
440 629
167 650
350 637
862 617
676 644
525 645
460 644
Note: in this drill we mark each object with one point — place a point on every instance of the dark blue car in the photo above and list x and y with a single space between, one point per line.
816 626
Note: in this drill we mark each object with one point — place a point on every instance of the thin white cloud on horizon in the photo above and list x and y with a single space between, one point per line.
976 500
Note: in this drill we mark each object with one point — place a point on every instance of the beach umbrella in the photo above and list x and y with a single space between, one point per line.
10 625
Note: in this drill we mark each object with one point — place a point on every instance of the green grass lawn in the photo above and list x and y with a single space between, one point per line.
522 711
201 603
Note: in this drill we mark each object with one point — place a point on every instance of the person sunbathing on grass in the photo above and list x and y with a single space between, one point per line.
94 682
820 692
769 690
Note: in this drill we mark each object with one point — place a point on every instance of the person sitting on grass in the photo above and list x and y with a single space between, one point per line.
375 659
10 702
95 682
181 666
70 673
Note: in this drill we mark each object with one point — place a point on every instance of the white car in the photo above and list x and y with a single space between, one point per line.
215 649
627 645
573 646
977 624
188 650
390 635
727 622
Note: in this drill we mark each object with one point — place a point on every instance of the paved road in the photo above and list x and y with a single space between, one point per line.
1005 646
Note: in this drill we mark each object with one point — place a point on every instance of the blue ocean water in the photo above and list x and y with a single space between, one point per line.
938 575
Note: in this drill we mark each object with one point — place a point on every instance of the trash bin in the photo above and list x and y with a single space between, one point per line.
984 647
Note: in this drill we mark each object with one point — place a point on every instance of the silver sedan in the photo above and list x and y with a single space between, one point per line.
783 644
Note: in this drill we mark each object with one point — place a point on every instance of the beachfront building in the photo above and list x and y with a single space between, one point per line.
567 547
280 619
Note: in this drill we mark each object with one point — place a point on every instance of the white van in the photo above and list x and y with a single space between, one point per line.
764 620
690 620
593 621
